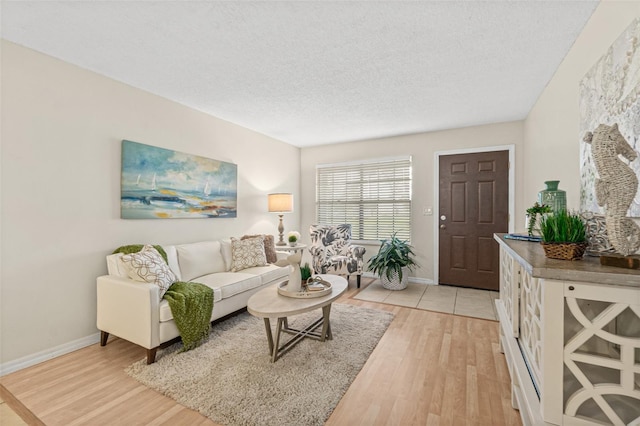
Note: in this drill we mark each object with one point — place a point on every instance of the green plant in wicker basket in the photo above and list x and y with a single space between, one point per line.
563 227
305 272
394 254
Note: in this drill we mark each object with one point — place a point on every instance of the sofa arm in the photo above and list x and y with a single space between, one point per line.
318 259
317 251
129 310
282 259
282 255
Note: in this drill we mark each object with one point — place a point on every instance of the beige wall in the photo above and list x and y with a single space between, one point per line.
422 147
551 129
61 132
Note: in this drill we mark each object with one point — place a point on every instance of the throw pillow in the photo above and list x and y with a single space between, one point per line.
269 246
148 266
247 253
198 259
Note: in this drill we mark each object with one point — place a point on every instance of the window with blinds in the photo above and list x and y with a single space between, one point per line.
373 196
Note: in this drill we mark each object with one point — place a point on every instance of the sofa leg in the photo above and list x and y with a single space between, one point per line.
103 338
358 280
151 355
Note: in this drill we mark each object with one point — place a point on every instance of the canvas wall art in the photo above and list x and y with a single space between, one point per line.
609 94
158 183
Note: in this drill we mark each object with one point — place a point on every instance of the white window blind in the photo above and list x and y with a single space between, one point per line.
373 196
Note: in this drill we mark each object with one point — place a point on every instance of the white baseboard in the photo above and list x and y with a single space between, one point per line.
411 279
37 358
421 280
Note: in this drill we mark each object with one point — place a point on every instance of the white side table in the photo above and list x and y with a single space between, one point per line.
294 249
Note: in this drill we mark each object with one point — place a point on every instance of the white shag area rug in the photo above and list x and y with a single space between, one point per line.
231 380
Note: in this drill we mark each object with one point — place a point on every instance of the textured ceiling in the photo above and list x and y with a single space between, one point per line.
311 73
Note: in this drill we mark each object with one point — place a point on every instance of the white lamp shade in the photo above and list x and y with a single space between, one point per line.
280 203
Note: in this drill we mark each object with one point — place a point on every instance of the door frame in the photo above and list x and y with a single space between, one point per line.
436 190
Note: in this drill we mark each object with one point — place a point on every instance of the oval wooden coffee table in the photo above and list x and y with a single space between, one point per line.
267 304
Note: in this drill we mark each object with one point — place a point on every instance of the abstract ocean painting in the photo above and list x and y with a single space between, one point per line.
158 183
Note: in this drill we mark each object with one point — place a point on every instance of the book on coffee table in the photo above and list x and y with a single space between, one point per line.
315 287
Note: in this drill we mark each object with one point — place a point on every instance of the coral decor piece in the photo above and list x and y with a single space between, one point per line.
596 228
616 186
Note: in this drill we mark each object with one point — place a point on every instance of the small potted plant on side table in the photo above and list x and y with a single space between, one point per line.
393 262
564 235
293 238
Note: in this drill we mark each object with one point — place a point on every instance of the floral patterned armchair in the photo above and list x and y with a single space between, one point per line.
333 253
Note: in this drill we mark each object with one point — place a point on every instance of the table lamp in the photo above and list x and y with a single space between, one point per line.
280 203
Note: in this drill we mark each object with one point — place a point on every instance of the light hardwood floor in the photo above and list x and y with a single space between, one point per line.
428 369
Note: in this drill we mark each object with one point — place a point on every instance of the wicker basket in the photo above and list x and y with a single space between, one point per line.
395 283
564 251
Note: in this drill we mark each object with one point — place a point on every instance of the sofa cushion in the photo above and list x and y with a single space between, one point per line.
247 253
116 267
268 273
198 259
232 283
225 248
269 246
148 266
172 260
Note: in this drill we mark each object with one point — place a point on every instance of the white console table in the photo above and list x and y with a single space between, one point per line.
570 332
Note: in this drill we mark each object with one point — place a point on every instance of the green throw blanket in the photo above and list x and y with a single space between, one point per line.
134 248
191 305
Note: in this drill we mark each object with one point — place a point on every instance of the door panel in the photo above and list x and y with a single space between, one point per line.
474 201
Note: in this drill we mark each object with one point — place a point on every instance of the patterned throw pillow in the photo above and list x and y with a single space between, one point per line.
269 246
148 266
247 253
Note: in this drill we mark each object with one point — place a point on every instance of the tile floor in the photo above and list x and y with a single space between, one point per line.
440 298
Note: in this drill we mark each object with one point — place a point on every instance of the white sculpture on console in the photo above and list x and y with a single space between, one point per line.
295 279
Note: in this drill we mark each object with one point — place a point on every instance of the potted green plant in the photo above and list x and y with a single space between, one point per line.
532 216
393 262
564 235
305 272
293 238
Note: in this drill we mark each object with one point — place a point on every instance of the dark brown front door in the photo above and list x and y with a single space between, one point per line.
474 204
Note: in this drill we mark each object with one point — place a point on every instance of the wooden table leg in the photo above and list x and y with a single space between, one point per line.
267 326
276 346
326 326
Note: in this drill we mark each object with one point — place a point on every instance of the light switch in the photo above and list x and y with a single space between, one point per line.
427 211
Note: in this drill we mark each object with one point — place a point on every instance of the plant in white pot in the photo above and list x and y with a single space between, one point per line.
393 262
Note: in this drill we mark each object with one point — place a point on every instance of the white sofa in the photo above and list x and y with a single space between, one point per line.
134 311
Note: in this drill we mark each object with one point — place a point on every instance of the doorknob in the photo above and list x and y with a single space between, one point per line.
443 226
